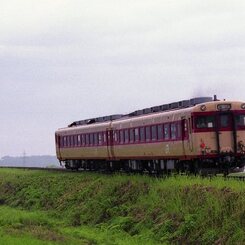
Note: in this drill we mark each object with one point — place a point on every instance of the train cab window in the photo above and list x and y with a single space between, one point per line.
126 136
131 135
121 135
173 131
203 122
160 132
136 134
154 133
166 131
142 134
240 120
147 133
224 121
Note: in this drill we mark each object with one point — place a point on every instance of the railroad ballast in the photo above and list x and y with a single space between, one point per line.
197 135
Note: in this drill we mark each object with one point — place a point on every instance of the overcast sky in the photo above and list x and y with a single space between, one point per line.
66 60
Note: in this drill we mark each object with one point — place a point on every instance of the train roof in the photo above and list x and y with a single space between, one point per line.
160 108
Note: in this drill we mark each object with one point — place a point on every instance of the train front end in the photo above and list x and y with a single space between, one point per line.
219 133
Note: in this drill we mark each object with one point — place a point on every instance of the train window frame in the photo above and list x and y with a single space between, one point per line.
78 140
91 139
238 124
83 140
136 135
224 124
160 132
126 136
204 122
100 138
87 139
121 136
148 133
75 140
173 131
64 141
96 138
154 132
166 131
116 136
131 135
142 134
104 138
68 141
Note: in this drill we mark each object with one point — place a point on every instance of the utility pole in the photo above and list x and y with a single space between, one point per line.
24 158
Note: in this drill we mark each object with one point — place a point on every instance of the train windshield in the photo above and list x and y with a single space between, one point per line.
240 120
205 122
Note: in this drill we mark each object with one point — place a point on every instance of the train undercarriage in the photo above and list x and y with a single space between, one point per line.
224 164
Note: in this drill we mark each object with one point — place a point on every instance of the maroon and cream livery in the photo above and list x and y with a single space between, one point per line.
192 135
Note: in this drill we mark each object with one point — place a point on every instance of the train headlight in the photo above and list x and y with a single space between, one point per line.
243 106
224 107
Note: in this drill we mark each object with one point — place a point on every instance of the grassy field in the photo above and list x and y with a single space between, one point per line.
40 207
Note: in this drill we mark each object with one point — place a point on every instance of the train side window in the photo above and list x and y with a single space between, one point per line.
142 134
115 137
173 131
91 139
126 136
131 135
79 140
87 139
154 132
121 135
75 140
99 139
104 138
147 133
136 134
95 139
83 139
71 140
166 131
160 132
64 141
68 141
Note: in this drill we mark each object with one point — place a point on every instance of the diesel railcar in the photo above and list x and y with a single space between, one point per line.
201 134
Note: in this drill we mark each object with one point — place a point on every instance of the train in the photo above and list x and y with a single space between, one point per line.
199 135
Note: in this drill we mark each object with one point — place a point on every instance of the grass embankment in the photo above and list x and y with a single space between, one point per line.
40 207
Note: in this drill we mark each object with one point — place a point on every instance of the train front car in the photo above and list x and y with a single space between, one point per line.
219 135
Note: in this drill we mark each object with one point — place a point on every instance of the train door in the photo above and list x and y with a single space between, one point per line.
226 133
110 143
185 135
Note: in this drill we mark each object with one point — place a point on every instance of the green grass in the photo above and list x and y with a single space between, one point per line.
40 207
